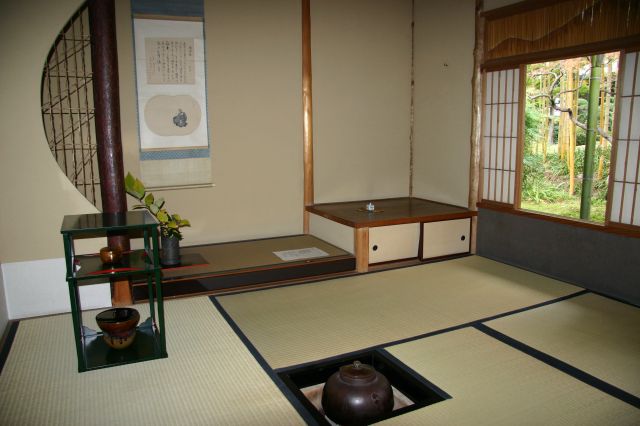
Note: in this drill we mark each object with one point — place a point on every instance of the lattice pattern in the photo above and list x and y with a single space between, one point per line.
625 203
500 135
67 106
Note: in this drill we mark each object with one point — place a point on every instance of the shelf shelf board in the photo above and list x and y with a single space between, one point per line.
90 269
96 224
145 347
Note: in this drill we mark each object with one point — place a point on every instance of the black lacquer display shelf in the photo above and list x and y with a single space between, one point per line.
86 269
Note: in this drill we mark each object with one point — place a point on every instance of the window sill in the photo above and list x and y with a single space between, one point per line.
611 228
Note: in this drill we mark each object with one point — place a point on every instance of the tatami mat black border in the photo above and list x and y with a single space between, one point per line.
441 331
477 324
7 341
437 389
572 371
321 279
615 299
309 420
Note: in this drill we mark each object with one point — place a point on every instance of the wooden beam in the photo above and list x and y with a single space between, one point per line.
476 122
307 112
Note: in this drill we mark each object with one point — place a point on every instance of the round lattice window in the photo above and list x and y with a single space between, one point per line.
67 106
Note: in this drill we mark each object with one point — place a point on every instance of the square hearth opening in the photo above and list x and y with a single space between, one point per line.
410 390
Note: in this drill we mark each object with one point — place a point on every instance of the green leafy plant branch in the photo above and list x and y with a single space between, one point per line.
170 224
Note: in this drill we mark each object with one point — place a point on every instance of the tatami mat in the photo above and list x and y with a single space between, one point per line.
303 323
210 378
494 384
597 335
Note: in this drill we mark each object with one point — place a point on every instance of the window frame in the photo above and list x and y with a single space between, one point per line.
520 63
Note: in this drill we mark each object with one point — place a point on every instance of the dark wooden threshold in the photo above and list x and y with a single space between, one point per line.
252 279
414 261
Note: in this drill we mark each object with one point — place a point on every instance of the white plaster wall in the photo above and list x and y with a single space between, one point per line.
333 232
4 314
255 119
38 287
35 193
444 40
361 60
254 91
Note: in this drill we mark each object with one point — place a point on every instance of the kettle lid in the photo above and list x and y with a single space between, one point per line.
357 372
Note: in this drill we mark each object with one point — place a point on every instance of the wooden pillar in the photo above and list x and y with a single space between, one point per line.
412 109
476 122
361 236
307 112
104 63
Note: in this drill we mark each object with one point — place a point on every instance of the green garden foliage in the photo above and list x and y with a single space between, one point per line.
545 172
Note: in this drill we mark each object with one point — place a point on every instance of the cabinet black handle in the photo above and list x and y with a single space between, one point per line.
462 238
375 247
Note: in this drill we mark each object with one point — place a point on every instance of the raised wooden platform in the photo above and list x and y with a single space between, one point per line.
229 267
394 230
237 266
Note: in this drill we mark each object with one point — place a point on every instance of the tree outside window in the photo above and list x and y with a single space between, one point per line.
569 111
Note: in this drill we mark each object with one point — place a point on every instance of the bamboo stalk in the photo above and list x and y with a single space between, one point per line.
572 99
592 118
604 116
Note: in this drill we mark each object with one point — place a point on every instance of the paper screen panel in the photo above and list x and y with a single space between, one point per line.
625 202
500 135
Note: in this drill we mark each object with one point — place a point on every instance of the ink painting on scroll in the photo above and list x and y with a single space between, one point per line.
172 107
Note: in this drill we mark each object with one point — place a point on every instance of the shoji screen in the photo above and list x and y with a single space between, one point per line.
625 204
500 135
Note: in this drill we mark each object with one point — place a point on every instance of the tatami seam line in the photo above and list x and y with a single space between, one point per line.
273 373
436 332
428 383
264 364
562 366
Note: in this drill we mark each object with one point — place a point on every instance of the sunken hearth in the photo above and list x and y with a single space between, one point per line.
410 390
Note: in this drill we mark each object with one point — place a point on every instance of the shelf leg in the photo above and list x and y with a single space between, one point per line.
74 300
158 279
77 323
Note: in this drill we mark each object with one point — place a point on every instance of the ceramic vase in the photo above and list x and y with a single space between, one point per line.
170 253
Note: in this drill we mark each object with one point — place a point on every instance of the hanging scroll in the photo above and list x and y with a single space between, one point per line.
171 88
